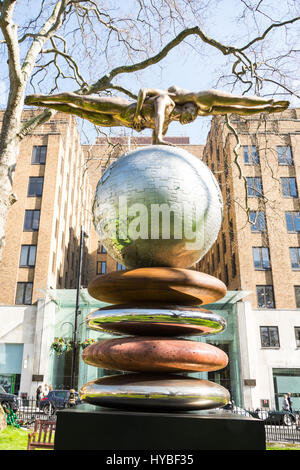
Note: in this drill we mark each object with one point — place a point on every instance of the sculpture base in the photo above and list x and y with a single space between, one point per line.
95 428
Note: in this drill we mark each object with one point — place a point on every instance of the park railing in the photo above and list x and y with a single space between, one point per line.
279 426
29 411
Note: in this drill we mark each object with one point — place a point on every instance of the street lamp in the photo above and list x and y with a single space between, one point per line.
77 312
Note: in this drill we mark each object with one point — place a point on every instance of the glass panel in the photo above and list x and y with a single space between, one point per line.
39 186
32 218
265 298
259 222
285 186
254 187
35 187
297 221
257 258
43 151
36 220
31 257
297 296
258 186
284 155
246 154
265 258
28 293
292 221
250 154
269 297
294 255
274 338
20 293
39 154
103 267
254 154
297 335
293 188
27 221
264 334
24 255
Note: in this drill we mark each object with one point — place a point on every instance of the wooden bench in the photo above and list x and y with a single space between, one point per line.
43 435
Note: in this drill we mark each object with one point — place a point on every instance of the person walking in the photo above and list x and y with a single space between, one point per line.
285 403
39 391
45 390
289 399
72 398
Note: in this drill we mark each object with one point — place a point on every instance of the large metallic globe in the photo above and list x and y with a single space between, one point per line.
158 206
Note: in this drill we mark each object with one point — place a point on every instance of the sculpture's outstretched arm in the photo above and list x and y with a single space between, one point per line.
243 111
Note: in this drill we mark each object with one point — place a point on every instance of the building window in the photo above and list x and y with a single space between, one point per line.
261 258
24 293
295 257
120 267
101 249
35 187
297 336
101 267
269 336
289 187
297 296
265 297
251 156
258 221
32 220
39 155
254 186
284 154
28 253
292 221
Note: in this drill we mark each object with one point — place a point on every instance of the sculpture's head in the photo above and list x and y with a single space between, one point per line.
188 113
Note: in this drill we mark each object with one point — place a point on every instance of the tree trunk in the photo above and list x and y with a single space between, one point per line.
9 150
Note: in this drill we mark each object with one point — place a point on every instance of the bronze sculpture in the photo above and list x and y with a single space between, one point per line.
155 109
157 298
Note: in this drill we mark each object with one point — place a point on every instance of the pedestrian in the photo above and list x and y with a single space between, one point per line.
45 390
72 398
39 391
289 399
285 403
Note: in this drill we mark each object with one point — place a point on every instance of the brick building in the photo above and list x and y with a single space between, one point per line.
43 226
258 248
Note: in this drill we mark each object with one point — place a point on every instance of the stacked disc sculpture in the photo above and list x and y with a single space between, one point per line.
157 211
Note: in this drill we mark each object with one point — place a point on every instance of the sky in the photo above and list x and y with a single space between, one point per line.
184 66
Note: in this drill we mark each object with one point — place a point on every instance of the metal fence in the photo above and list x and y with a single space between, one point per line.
279 426
29 411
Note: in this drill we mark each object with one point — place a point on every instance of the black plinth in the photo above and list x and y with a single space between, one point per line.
97 428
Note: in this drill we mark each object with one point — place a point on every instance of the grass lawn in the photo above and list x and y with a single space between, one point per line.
282 446
12 438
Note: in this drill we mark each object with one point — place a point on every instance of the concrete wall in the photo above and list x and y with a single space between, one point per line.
258 362
30 326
